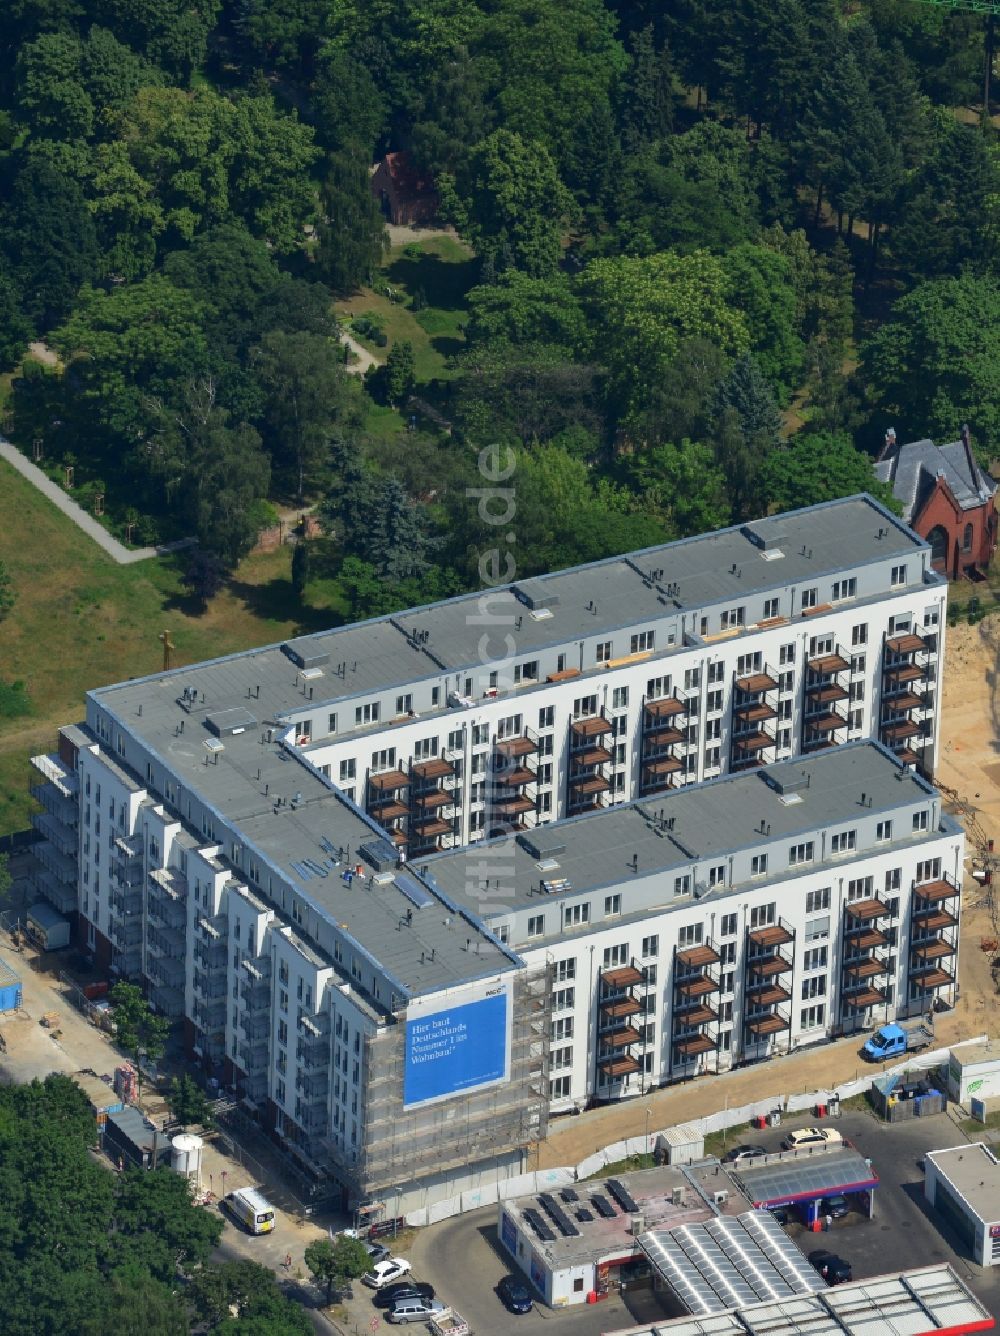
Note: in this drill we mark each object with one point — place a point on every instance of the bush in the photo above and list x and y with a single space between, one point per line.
14 700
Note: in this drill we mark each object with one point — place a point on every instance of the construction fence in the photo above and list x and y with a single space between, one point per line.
546 1180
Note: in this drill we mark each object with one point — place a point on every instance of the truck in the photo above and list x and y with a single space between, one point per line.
892 1041
449 1323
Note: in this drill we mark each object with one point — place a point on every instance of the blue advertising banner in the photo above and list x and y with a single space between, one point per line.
456 1049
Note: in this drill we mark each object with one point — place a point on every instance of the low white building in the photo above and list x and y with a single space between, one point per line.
974 1073
962 1183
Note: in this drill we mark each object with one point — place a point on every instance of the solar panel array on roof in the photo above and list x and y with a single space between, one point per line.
534 1219
622 1196
815 1175
558 1216
584 1215
603 1207
729 1262
568 1194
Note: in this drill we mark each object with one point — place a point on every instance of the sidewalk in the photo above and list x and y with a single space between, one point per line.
118 552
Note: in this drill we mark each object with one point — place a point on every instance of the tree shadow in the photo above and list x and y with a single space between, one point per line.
277 601
444 282
448 346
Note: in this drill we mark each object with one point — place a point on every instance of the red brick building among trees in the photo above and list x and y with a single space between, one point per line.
947 498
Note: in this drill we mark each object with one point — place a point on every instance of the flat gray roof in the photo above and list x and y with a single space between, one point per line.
635 840
974 1172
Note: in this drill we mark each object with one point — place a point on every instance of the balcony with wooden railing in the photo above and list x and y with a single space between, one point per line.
825 688
753 735
694 1021
768 964
934 935
619 1030
431 805
907 678
588 776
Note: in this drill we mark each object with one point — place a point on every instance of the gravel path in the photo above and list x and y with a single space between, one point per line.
118 552
363 356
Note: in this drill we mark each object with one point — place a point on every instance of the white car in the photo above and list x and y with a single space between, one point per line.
812 1138
384 1273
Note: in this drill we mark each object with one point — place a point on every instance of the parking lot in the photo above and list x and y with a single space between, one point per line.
462 1259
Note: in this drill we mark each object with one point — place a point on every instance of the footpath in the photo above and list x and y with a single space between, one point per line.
124 556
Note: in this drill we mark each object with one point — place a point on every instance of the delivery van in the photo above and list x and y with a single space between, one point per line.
252 1209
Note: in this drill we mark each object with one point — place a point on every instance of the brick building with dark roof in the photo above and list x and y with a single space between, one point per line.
406 194
947 497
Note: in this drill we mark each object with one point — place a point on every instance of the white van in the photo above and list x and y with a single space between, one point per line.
252 1209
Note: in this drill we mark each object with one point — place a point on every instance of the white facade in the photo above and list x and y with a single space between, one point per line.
233 834
963 1185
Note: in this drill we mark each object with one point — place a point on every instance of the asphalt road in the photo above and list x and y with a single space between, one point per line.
462 1259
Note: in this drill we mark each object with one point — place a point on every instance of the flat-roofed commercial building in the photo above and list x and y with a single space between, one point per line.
963 1184
275 842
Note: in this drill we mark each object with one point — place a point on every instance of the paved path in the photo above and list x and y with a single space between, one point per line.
364 357
124 556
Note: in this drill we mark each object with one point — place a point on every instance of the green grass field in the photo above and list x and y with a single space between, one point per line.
444 272
81 621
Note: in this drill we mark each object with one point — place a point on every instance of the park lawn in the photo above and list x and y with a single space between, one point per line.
444 272
81 621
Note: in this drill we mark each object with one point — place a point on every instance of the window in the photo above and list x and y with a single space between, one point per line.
480 735
845 589
616 955
821 645
883 832
800 853
858 664
384 759
509 727
643 642
564 999
545 773
584 707
713 758
716 672
367 714
561 1057
815 958
898 576
546 716
727 953
331 723
527 671
682 885
860 888
713 702
574 915
919 821
658 687
727 925
426 748
762 916
859 635
691 934
815 986
758 865
811 1018
717 875
692 679
404 704
732 617
856 691
565 969
562 1028
786 655
348 770
928 870
810 597
619 698
603 652
818 900
967 538
843 842
536 925
559 1087
893 879
713 730
771 608
612 905
545 745
817 929
650 946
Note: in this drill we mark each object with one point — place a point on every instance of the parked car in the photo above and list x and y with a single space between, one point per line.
414 1310
402 1289
807 1137
514 1295
782 1214
384 1273
836 1207
739 1153
833 1269
378 1252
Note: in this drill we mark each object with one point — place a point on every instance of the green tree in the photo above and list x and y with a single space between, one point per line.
215 1290
308 394
6 880
761 285
335 1263
139 1031
127 215
188 1103
270 184
157 1226
396 537
642 309
509 202
681 485
519 310
745 431
817 467
400 369
647 107
351 231
300 568
933 364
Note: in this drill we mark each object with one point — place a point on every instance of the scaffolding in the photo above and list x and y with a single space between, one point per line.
401 1145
